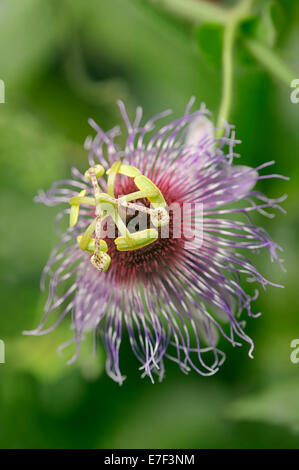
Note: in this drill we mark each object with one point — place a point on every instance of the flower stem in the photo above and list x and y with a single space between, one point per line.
237 14
196 10
268 58
227 74
201 11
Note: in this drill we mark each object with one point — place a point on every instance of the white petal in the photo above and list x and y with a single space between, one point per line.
244 180
201 128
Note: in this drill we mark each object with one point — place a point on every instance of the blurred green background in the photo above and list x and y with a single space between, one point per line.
62 62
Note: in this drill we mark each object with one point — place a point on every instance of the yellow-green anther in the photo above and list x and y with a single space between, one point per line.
138 239
127 170
159 217
97 170
83 200
104 197
91 245
126 235
145 184
111 178
101 261
74 214
137 195
87 235
75 207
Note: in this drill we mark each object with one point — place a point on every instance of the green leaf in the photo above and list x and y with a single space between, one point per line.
209 39
30 32
277 405
182 415
30 152
266 26
38 356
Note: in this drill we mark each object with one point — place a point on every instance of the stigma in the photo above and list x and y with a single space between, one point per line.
107 205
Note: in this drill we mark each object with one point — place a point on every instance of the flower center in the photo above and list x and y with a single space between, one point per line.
116 208
129 267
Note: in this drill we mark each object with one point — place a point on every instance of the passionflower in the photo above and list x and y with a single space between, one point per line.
159 229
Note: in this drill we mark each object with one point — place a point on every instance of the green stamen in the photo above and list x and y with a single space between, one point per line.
97 170
145 184
83 200
83 244
91 245
127 241
138 240
126 170
111 177
75 207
